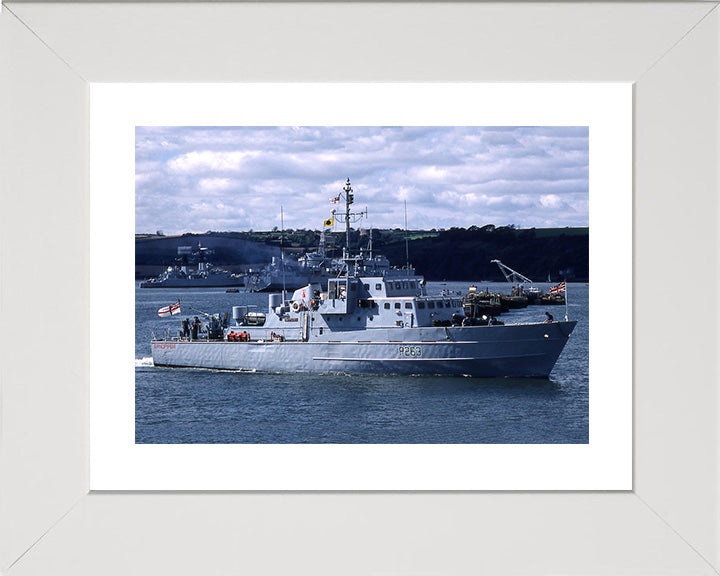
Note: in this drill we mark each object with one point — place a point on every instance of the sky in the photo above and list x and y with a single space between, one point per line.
195 179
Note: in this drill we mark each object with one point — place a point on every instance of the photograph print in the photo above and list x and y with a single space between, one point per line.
361 285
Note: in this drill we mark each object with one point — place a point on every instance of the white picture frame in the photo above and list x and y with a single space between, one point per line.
668 523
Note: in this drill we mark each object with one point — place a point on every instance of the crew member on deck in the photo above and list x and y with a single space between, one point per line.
186 328
549 318
194 329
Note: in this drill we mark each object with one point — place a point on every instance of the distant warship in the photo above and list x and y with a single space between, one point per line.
370 319
182 275
287 273
312 268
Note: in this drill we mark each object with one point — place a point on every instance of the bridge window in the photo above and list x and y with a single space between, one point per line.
431 304
397 305
387 305
421 305
398 285
408 304
439 304
405 285
378 286
366 286
389 286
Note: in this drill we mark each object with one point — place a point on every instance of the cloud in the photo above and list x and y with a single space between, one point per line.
192 179
215 184
550 201
210 161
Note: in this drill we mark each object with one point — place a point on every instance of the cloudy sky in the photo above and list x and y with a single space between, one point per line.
194 179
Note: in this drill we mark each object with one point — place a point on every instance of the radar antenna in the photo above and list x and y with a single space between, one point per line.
511 275
348 216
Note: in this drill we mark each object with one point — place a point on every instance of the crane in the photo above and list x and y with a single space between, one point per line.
510 274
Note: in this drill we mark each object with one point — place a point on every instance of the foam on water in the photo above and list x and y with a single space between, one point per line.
144 362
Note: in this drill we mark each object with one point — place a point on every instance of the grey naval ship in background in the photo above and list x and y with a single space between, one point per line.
182 275
289 274
371 318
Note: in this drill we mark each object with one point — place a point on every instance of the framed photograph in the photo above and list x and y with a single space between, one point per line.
581 132
72 411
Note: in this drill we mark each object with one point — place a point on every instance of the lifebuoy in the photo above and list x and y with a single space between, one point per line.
295 306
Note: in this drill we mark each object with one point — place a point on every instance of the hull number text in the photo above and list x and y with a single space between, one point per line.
163 346
409 351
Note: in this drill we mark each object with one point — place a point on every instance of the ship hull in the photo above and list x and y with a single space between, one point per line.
527 350
200 283
290 283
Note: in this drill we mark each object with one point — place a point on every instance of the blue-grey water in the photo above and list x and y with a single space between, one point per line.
204 406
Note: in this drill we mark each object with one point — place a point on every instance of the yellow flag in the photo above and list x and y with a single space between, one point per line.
328 222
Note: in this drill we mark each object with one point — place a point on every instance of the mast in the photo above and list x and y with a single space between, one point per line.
321 246
407 249
349 199
348 217
282 251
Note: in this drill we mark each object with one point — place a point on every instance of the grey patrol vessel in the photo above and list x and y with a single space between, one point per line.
372 319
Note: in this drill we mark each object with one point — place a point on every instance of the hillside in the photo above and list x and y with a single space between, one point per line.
455 254
465 254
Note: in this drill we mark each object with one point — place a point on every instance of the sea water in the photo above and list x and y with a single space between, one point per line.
190 406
